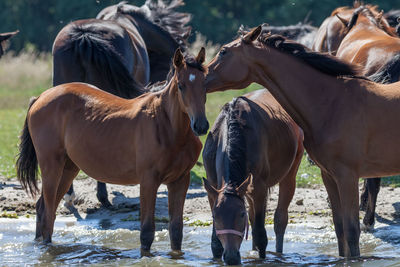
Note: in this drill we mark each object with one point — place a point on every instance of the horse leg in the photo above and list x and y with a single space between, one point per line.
287 188
52 170
69 173
334 198
259 195
372 187
216 245
251 218
349 198
148 194
176 199
364 196
102 195
39 216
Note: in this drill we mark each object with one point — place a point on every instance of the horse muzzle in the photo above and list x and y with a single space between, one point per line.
232 257
199 126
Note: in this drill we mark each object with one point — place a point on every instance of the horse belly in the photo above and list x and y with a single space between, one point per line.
104 159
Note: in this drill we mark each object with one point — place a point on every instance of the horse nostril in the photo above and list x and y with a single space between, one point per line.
232 258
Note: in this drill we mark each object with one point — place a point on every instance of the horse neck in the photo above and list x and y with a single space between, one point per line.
156 39
305 93
170 104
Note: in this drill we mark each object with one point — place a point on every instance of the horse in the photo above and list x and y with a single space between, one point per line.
303 33
335 27
3 38
364 38
253 145
350 123
392 17
148 140
120 51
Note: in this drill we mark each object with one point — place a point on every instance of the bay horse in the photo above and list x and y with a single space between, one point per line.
366 43
4 37
350 123
253 145
148 140
121 51
335 27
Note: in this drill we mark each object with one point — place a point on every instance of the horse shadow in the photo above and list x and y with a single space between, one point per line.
389 233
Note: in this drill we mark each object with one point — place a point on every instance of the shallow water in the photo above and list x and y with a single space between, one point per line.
102 243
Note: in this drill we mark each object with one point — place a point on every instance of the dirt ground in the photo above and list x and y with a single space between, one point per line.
309 204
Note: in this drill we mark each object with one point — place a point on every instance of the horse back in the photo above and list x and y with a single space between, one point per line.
102 53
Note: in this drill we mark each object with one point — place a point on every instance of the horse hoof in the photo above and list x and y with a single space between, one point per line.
105 203
366 228
69 200
145 253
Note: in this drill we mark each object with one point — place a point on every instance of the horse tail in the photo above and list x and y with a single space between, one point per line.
389 73
236 149
27 164
99 55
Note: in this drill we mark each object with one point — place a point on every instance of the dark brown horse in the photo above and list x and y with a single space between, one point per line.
148 140
351 125
4 37
120 52
252 137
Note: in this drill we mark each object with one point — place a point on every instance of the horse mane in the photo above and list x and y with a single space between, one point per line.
235 160
89 45
189 60
166 16
389 73
323 62
371 13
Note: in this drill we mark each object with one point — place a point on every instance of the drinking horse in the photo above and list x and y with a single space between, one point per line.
148 140
120 52
350 123
253 145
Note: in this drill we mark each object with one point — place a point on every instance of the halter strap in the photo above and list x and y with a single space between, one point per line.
235 232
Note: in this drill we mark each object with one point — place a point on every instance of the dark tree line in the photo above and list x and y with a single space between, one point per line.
40 20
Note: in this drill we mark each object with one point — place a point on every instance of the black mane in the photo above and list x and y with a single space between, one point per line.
235 159
325 63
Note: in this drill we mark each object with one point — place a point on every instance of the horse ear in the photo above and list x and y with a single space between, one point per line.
252 35
344 21
201 57
5 36
379 17
178 59
246 186
212 192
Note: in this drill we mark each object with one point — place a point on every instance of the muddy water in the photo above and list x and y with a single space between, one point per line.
103 243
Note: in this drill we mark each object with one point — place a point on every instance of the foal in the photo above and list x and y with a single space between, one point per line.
252 137
148 140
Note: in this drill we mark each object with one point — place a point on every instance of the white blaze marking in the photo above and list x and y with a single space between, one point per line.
192 77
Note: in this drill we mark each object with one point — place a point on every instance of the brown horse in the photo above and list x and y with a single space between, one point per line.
120 52
252 137
335 27
148 140
367 43
4 37
350 124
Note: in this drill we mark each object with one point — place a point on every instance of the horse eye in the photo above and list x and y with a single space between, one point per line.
222 52
180 87
243 214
